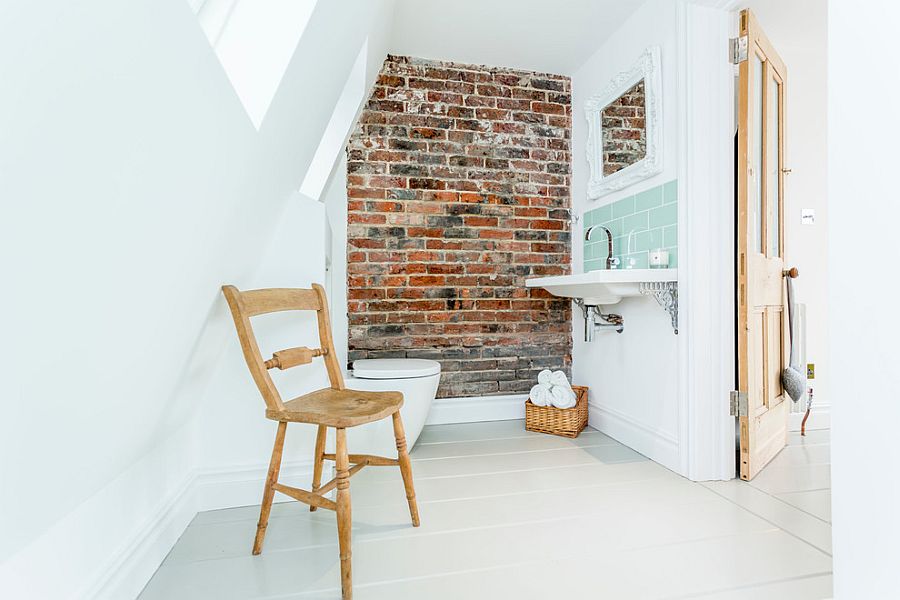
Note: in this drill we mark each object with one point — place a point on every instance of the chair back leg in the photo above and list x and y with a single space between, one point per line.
318 461
405 468
269 490
344 518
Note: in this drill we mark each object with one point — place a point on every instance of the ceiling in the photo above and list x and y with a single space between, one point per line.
555 37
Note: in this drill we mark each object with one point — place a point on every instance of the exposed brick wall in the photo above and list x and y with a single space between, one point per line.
458 187
624 131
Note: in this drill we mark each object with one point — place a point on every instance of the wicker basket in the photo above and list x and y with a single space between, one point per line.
567 422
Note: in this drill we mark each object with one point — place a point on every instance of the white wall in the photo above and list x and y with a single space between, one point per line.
798 30
134 185
633 376
335 199
533 35
863 324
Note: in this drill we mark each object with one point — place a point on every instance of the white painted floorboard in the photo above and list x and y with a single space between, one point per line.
512 514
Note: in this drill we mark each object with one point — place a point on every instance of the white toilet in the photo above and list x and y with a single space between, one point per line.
417 378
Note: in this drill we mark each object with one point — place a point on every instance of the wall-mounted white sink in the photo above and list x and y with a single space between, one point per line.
603 287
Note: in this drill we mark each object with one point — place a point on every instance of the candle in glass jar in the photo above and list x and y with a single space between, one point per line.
659 259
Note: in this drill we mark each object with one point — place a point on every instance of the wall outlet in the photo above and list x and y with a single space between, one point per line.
811 370
807 216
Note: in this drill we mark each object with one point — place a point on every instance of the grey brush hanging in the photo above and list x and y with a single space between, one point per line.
792 379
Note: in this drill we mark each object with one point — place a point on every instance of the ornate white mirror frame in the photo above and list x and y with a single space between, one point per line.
647 68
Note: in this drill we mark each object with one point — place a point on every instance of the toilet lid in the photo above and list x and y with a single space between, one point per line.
394 368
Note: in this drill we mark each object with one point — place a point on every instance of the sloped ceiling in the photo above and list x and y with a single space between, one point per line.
553 37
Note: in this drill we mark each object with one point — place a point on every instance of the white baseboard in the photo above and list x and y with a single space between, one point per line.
819 418
242 485
206 489
657 445
116 563
131 567
474 410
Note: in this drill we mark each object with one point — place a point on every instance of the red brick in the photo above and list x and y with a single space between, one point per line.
478 221
357 192
426 280
496 234
531 211
548 108
371 219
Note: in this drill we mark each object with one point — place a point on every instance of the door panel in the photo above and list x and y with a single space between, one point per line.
762 332
774 359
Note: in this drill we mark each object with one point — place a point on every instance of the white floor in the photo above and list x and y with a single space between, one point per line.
511 514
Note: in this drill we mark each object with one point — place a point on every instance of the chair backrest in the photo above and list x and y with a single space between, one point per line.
252 303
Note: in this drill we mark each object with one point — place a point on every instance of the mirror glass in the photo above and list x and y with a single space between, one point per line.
624 130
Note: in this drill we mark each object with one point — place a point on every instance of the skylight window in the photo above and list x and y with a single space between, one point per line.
254 40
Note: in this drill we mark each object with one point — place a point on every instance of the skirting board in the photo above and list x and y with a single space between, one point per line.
659 446
216 489
819 418
128 571
445 411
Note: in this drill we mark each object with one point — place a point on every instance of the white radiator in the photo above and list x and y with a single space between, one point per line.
800 342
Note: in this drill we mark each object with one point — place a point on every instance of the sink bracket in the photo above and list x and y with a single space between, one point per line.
666 294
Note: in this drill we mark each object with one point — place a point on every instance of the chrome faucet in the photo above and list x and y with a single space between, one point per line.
611 261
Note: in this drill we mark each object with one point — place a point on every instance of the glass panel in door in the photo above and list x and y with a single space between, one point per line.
773 169
757 220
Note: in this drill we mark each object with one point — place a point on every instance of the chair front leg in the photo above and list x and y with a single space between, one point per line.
405 468
344 518
318 459
269 490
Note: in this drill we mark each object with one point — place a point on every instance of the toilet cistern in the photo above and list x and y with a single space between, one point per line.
611 261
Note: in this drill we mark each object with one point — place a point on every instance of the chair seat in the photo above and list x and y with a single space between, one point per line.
339 408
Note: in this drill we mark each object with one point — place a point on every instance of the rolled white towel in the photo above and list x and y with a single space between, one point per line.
541 395
545 377
562 397
558 378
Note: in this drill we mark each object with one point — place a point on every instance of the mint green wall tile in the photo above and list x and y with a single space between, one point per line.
635 222
602 214
648 240
594 265
670 235
664 216
623 207
649 198
615 227
641 261
670 192
673 258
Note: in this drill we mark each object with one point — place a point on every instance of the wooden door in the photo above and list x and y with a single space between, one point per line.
762 320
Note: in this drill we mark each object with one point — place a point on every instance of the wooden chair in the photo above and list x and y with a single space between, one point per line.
335 407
